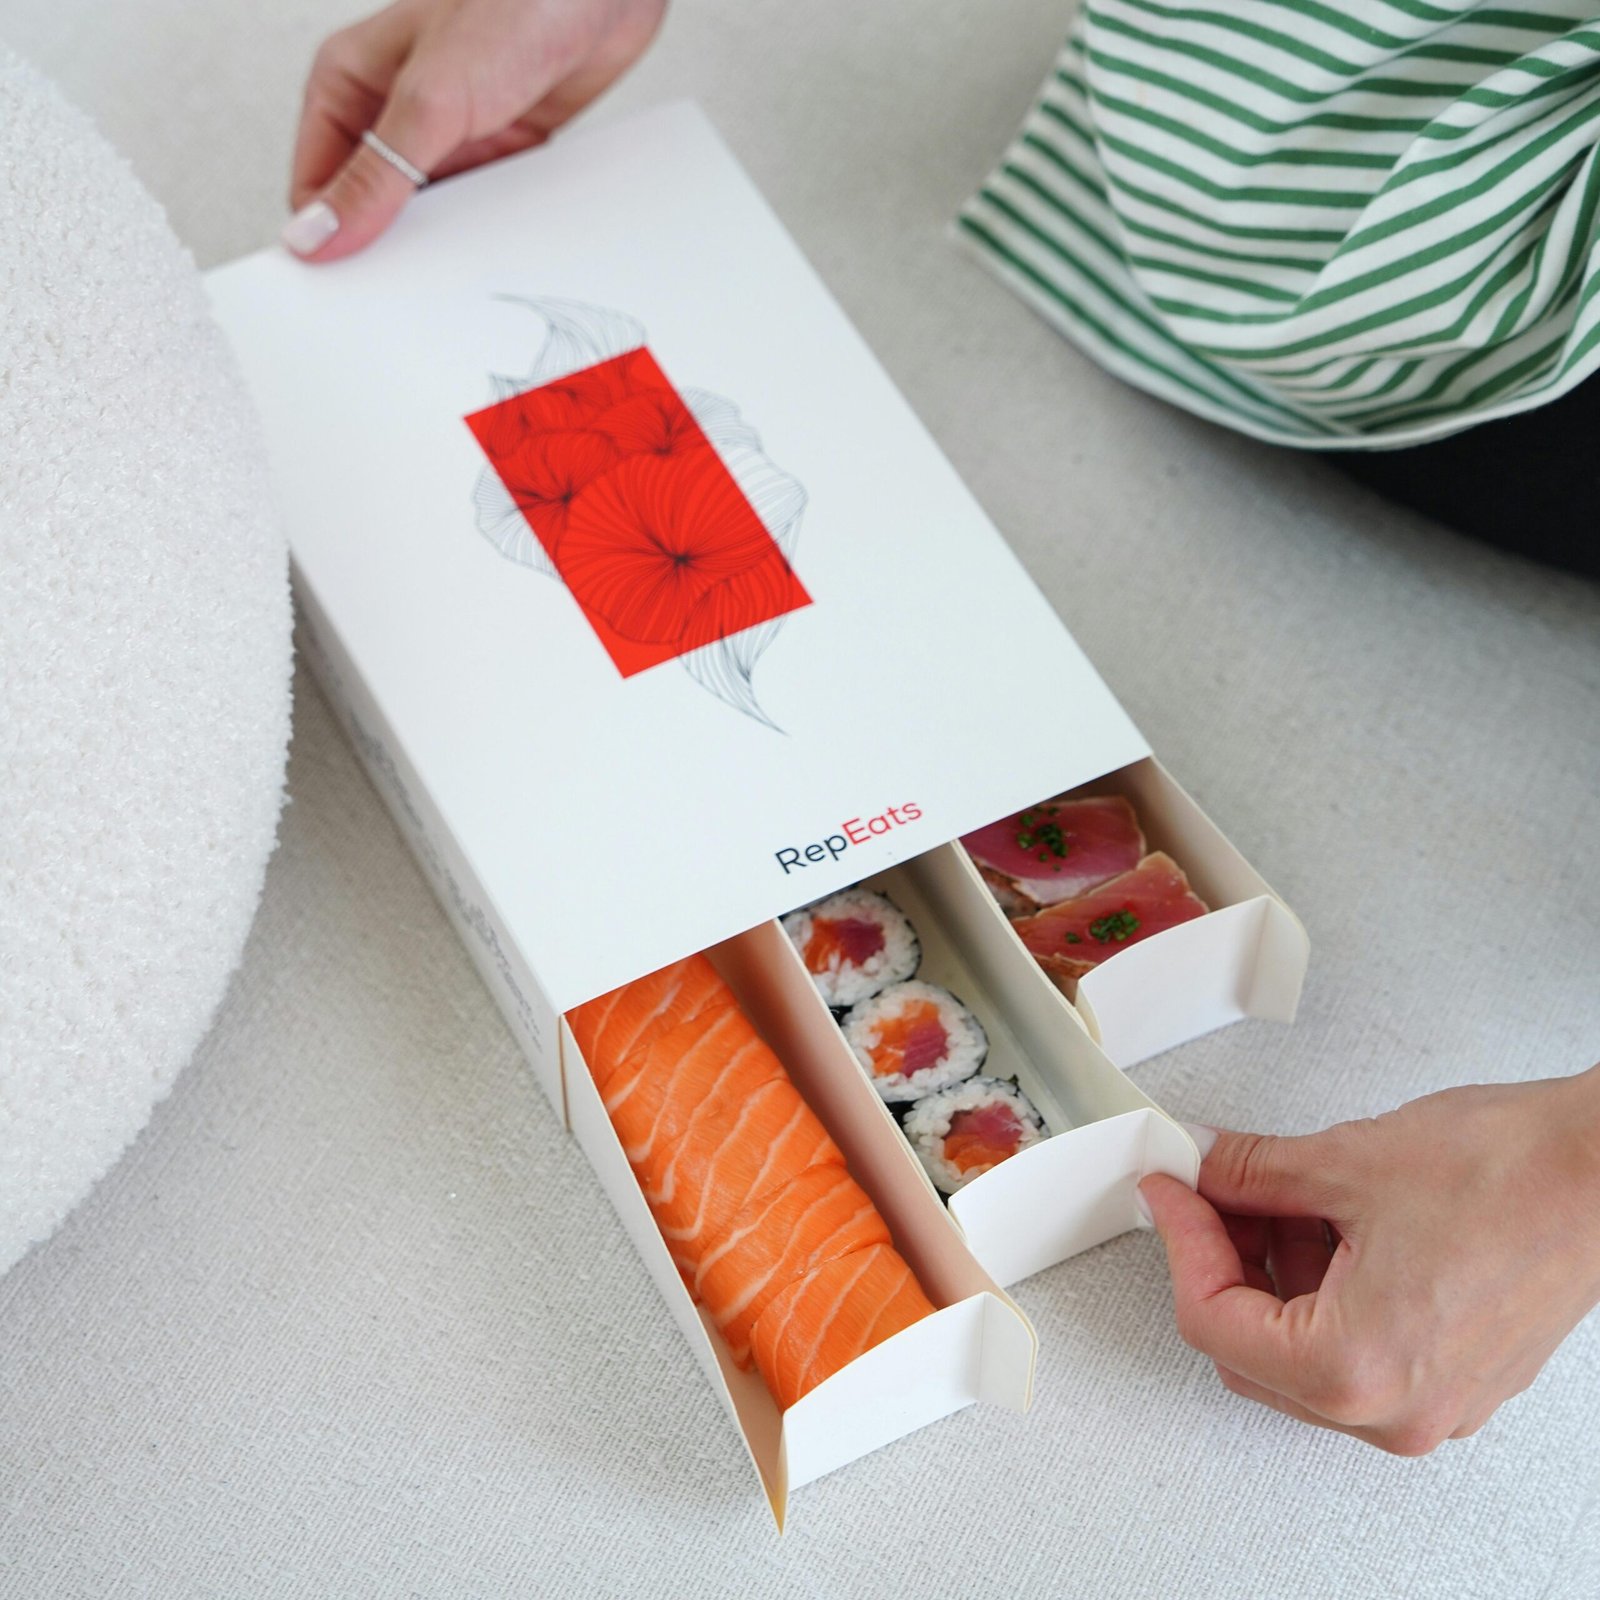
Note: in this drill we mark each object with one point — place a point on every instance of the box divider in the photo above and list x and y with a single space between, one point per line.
1034 1030
778 996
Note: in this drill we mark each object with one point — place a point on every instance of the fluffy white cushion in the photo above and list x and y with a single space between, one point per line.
144 658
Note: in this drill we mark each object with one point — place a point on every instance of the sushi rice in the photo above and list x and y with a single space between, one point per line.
914 1039
854 944
1000 1120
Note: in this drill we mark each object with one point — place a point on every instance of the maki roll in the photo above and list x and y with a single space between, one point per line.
915 1038
854 945
962 1132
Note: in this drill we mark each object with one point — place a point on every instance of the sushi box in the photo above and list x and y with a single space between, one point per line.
630 698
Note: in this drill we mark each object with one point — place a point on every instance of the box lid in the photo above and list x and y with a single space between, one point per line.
674 606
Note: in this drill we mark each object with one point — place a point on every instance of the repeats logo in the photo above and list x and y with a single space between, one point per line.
858 830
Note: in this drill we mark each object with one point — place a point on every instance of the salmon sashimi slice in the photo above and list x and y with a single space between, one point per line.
1073 938
820 1215
731 1153
641 1071
610 1028
715 1058
823 1321
765 1225
1056 850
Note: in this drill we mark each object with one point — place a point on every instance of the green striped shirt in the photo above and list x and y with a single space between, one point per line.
1329 225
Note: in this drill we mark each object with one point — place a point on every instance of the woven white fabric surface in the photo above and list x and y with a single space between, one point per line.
353 1319
144 658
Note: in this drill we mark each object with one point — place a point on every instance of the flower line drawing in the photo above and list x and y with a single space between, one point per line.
657 508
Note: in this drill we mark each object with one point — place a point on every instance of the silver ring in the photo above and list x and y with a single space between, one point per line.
415 176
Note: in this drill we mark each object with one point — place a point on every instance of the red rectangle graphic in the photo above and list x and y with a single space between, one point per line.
636 510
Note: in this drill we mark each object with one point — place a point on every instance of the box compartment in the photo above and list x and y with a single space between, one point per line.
976 1346
1074 1189
1246 958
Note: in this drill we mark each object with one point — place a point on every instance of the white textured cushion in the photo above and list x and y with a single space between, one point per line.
144 658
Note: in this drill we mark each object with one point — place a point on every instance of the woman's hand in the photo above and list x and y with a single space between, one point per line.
1398 1278
448 84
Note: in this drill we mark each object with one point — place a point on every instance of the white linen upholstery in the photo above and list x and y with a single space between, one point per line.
144 658
353 1319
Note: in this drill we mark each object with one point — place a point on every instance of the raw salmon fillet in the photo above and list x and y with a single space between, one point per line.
787 1233
751 1195
824 1320
1056 850
1073 938
731 1153
610 1028
653 1098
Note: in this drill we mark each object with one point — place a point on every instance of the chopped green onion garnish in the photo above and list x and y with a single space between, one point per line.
1116 926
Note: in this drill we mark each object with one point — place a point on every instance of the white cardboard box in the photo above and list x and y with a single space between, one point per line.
586 819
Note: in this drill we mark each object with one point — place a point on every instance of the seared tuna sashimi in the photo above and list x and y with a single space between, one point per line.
1074 937
1056 850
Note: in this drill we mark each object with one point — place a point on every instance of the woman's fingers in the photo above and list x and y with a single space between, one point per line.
1245 1388
446 85
1298 1253
1264 1349
1430 1259
522 135
1252 1238
414 90
1242 1386
325 141
350 79
422 121
1263 1175
1218 1312
573 88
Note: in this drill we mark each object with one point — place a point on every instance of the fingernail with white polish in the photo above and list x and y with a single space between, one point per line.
1142 1206
310 228
1203 1136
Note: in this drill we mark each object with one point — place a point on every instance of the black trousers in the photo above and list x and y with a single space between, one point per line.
1529 483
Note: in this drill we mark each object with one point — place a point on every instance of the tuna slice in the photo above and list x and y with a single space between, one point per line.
1056 850
1074 937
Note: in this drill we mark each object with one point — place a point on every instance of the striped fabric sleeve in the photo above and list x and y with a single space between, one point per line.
1331 226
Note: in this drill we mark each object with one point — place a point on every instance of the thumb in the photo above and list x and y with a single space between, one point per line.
1267 1175
367 193
1219 1310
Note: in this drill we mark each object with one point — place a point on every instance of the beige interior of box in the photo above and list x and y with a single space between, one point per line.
1073 1189
976 1345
